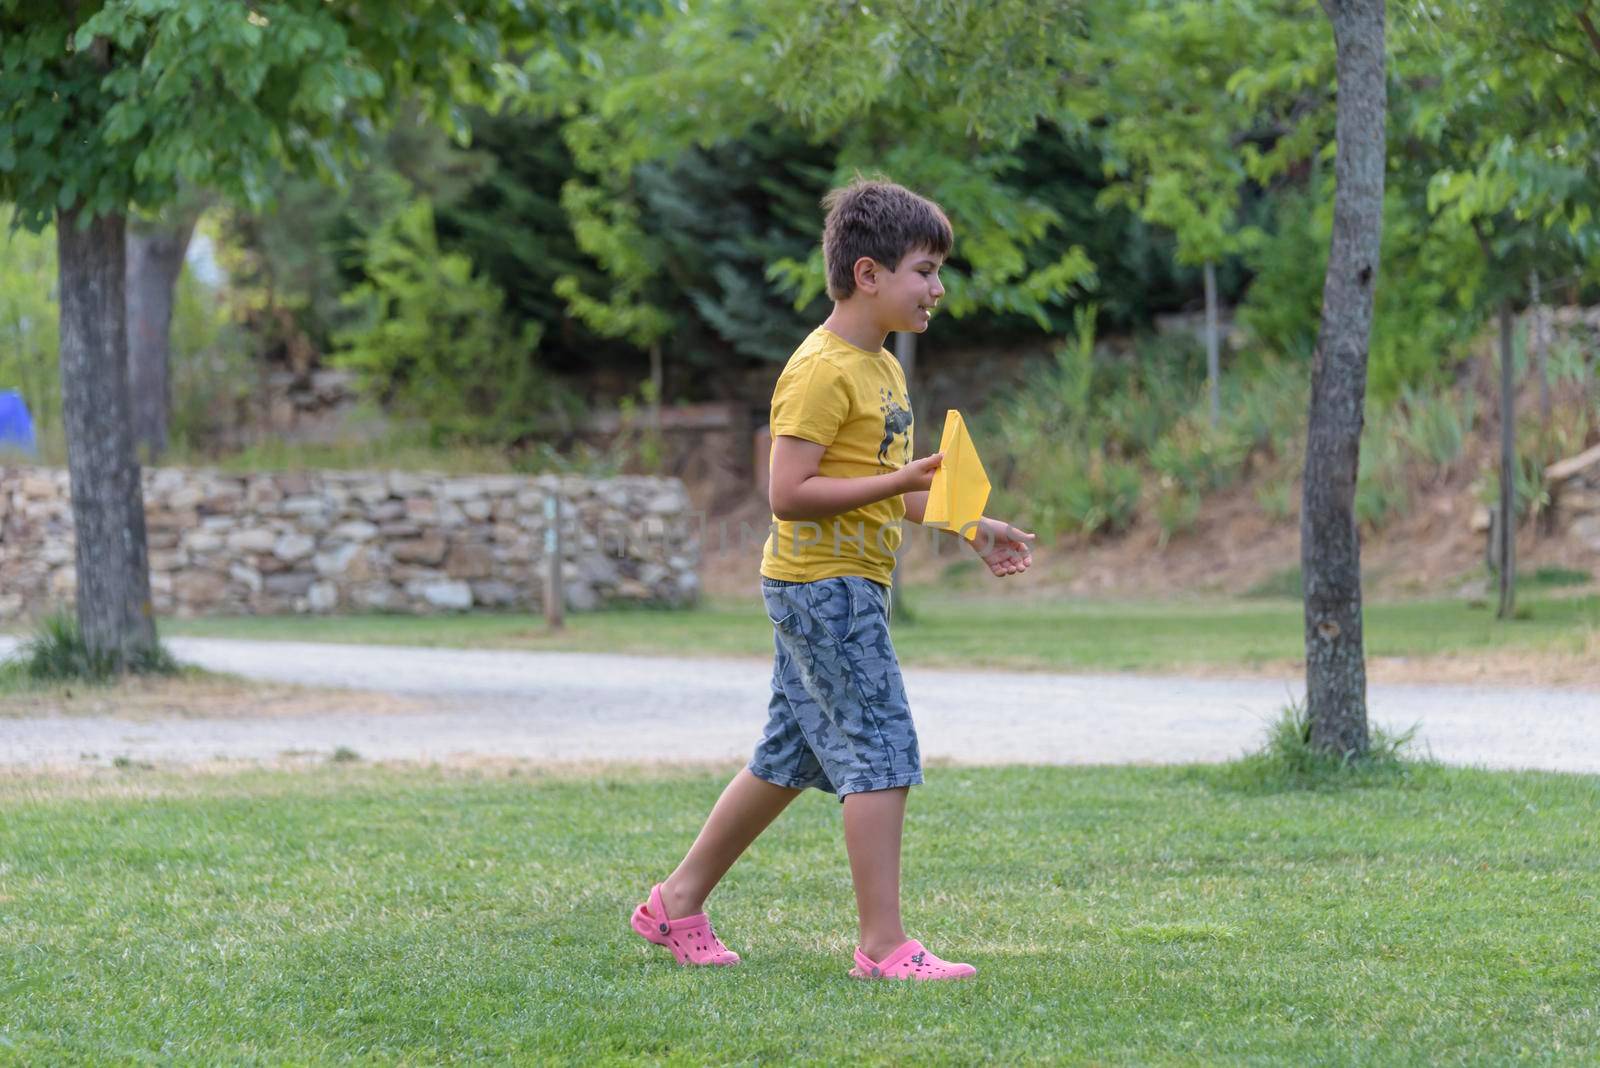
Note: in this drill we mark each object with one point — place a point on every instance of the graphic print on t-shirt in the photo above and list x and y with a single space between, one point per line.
896 420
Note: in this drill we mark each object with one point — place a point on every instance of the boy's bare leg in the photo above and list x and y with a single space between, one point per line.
745 809
872 825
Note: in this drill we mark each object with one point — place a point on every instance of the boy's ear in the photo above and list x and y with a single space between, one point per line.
866 274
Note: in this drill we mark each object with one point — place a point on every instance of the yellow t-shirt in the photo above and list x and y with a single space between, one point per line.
854 402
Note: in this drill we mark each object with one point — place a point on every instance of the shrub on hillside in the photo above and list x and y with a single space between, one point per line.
434 341
1067 491
1176 510
1199 457
1140 397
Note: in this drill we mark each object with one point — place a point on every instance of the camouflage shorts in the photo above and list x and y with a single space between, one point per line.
838 719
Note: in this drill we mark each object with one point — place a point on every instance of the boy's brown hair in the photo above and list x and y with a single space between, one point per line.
881 220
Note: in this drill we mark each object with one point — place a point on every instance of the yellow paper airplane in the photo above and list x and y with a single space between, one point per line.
960 487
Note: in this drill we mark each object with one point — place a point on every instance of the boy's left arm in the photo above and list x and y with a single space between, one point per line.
1006 549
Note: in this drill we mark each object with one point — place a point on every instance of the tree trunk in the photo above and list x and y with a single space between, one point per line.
1536 349
1506 543
114 611
155 259
1213 357
1330 545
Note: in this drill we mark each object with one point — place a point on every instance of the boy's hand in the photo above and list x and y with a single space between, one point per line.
918 474
1007 550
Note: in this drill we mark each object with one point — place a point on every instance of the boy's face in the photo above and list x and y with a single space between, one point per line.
907 295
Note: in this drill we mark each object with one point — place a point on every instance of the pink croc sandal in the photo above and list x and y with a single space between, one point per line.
910 961
690 938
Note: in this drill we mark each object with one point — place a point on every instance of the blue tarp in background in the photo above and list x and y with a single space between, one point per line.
16 425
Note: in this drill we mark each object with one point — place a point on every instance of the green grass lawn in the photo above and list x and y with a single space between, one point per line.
1124 915
1018 633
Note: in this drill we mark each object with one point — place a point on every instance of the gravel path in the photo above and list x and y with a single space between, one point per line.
582 706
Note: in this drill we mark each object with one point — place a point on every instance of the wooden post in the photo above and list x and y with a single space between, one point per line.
553 596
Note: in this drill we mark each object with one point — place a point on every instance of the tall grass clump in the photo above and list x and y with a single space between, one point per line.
1288 761
1530 494
1437 424
56 652
1382 491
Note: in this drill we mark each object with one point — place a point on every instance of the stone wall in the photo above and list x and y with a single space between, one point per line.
363 541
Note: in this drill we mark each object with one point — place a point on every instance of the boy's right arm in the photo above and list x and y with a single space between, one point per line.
796 491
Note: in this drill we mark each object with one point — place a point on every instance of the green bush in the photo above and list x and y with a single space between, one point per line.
1068 492
1198 457
1281 308
55 652
1058 475
1103 498
1176 510
1138 399
434 343
1419 320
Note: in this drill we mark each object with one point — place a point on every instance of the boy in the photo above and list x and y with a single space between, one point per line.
842 481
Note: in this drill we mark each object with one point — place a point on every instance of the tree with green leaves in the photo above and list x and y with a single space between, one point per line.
606 224
1514 128
1175 131
685 244
108 108
713 74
